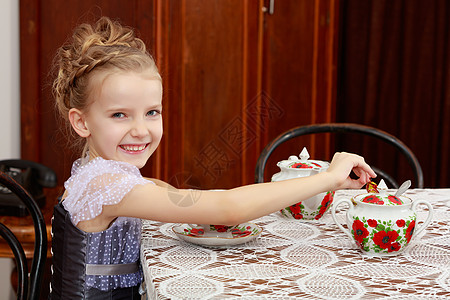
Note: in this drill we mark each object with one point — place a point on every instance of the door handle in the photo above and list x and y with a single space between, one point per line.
270 8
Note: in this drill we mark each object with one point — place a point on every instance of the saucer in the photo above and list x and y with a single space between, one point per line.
239 234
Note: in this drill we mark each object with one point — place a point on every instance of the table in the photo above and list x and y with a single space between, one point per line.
297 259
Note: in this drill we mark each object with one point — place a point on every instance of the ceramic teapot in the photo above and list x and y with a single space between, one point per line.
381 224
312 208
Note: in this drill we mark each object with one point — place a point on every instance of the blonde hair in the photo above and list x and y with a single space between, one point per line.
106 46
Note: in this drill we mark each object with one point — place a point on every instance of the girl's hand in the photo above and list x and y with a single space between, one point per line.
343 164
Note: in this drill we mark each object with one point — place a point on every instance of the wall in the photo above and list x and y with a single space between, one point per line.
9 121
9 80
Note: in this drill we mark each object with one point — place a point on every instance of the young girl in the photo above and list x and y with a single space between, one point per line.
109 90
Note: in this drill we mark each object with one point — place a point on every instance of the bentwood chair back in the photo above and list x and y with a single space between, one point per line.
28 288
344 128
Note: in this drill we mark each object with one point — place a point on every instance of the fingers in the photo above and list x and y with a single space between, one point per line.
360 167
348 162
364 176
359 182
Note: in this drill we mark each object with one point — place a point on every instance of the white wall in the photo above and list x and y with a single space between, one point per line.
10 107
9 80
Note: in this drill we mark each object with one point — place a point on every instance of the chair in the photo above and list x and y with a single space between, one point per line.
27 288
343 128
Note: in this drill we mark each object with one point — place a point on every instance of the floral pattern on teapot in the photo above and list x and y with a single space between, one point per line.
298 211
304 165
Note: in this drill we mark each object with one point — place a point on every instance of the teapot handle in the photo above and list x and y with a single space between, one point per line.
333 214
428 220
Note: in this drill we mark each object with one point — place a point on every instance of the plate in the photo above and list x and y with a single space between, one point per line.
239 234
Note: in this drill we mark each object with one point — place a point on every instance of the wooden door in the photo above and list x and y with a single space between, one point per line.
206 51
299 73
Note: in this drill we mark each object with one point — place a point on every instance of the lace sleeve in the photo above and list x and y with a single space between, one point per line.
96 183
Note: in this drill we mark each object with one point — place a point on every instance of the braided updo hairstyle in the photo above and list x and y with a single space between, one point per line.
103 47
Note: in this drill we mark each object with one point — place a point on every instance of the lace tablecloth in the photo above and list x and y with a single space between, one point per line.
293 259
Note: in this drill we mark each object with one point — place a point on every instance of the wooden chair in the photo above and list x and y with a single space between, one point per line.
343 128
28 288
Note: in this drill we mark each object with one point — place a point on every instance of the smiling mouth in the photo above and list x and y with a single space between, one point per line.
134 148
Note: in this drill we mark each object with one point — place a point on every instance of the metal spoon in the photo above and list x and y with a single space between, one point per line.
405 185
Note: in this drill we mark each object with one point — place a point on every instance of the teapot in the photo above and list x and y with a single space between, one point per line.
294 167
381 224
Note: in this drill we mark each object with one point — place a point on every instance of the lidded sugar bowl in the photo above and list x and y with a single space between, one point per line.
381 223
294 167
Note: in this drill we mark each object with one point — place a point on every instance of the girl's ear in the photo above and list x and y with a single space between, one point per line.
76 118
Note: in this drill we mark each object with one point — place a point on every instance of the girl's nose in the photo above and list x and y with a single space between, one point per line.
139 129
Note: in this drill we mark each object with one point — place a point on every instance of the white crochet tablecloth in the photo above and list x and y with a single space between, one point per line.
298 259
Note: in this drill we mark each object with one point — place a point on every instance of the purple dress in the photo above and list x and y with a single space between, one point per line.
83 260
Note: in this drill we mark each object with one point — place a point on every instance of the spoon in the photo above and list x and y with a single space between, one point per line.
405 185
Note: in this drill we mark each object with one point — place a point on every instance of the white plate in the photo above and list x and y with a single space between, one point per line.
240 234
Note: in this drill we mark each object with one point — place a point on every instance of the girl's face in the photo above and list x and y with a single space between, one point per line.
124 119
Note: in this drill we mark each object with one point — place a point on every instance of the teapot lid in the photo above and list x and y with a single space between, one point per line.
302 162
378 195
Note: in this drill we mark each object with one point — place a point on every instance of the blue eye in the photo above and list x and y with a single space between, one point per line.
153 112
118 115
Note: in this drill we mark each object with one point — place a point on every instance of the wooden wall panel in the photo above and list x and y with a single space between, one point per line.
29 79
205 66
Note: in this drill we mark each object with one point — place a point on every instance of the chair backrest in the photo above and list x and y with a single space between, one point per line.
40 243
343 128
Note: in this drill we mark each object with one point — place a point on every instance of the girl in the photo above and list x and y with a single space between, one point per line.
109 90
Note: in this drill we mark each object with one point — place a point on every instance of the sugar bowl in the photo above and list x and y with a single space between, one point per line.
381 224
294 167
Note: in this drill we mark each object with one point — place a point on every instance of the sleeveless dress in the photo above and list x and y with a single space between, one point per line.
96 265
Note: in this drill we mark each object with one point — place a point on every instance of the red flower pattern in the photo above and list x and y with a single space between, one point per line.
373 199
395 200
359 231
301 166
385 239
410 231
196 232
296 211
400 223
296 208
326 202
394 247
372 223
298 216
221 228
241 233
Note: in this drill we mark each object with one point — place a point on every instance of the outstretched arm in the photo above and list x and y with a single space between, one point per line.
241 204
